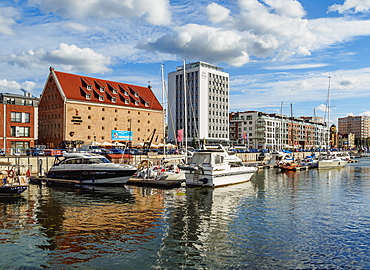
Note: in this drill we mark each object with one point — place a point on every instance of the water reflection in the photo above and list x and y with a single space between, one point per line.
299 220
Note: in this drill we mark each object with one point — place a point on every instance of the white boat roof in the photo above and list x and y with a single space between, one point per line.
80 155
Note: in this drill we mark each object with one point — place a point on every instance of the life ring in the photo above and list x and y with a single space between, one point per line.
28 173
10 173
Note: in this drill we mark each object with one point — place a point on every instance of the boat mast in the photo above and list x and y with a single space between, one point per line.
328 123
185 117
163 111
291 128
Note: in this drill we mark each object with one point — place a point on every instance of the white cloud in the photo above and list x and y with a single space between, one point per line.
75 27
7 20
367 113
153 11
272 29
217 13
289 8
352 6
321 107
297 66
70 57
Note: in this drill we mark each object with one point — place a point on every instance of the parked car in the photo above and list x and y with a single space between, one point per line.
34 151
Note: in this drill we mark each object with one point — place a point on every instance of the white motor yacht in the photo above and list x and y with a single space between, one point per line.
216 167
90 169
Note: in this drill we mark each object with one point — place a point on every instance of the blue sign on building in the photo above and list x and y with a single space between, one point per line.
121 135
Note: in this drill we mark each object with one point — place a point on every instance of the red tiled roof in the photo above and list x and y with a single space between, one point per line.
76 87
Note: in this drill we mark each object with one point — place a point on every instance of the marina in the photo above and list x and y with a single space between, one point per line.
310 219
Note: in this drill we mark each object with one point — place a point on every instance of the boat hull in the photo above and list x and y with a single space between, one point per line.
323 164
94 177
217 178
13 190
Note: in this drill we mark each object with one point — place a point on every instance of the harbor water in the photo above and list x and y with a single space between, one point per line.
315 219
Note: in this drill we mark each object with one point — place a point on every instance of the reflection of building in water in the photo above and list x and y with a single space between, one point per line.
92 225
202 223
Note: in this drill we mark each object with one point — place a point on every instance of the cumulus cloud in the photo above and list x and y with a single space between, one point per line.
7 20
367 113
13 86
321 107
155 12
351 6
217 13
70 57
262 29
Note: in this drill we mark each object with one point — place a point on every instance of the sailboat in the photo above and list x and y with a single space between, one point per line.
291 164
330 160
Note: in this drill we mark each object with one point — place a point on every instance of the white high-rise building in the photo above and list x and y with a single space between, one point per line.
207 99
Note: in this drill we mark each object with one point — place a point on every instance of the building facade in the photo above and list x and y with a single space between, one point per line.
75 110
260 130
19 121
206 97
359 126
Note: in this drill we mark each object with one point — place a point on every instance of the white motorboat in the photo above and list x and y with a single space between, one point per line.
216 167
331 160
90 169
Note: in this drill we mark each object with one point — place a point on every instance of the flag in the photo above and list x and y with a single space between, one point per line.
180 135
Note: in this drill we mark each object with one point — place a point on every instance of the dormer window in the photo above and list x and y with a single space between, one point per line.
125 93
136 94
136 103
127 101
101 98
89 87
146 104
114 100
101 89
88 96
114 91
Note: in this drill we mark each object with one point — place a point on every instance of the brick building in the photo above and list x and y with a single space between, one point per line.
18 120
75 110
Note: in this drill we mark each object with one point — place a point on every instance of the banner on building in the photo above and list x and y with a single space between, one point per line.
180 135
121 135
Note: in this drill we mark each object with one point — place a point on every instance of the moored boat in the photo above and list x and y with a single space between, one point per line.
216 167
14 179
90 169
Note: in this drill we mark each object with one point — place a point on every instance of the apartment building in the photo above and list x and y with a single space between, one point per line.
198 103
260 130
19 121
76 110
358 125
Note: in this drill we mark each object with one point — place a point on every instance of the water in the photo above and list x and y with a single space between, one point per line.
295 220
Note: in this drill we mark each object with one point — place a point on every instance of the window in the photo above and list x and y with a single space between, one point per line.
114 100
101 89
20 117
101 98
16 117
89 87
20 131
114 91
88 96
127 101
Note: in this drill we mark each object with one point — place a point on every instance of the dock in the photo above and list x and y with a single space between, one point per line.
132 181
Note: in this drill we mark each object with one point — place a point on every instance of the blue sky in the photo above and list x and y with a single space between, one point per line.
276 51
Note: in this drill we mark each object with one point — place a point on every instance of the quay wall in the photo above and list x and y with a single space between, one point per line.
41 164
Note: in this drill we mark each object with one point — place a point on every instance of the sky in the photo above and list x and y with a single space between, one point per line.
277 52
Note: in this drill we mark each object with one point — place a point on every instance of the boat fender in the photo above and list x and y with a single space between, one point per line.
187 167
10 173
28 173
204 180
178 170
